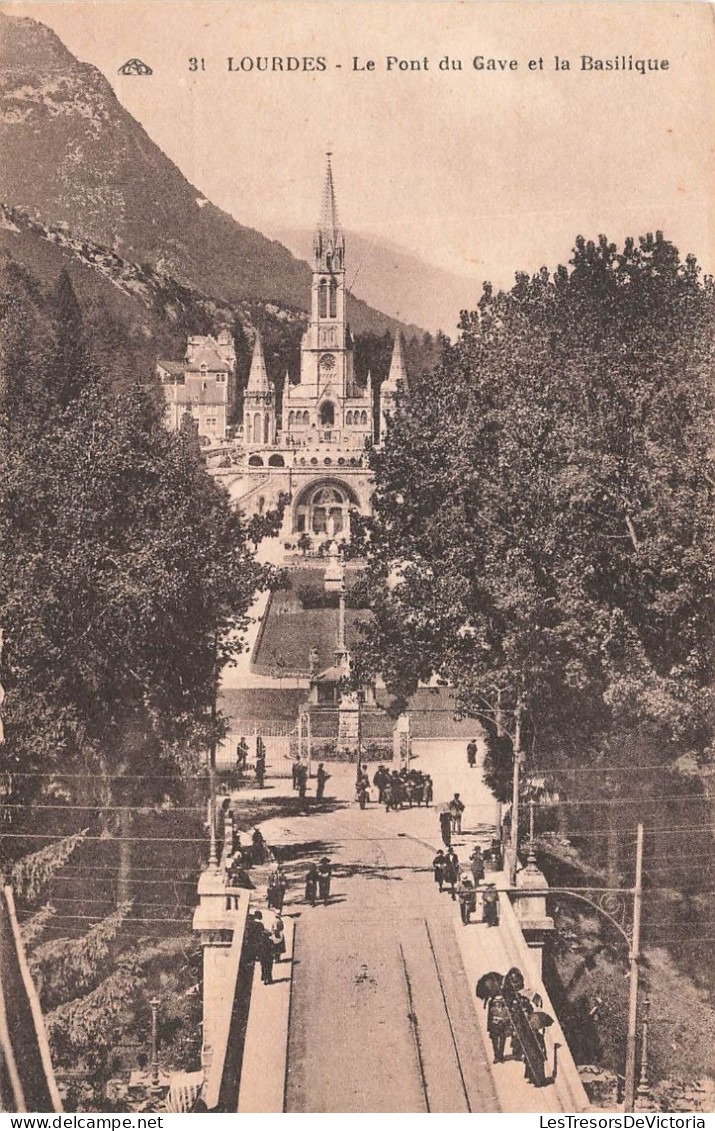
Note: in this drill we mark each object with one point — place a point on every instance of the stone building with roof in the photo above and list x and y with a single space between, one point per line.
202 386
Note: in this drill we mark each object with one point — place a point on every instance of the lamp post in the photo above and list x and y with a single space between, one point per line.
518 758
634 961
213 838
607 895
335 583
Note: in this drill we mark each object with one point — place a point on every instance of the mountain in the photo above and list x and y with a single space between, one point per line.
396 281
71 154
134 313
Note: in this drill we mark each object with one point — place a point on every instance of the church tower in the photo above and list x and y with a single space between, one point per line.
259 409
326 351
395 383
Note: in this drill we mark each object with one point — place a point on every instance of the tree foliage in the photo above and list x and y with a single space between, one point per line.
543 525
125 576
29 875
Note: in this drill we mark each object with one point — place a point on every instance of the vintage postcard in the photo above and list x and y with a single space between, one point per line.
356 557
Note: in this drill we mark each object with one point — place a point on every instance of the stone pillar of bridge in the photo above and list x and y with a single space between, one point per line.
530 907
221 912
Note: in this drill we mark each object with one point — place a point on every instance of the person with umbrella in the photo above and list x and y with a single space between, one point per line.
525 1043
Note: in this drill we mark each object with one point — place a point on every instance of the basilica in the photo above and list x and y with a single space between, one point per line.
315 454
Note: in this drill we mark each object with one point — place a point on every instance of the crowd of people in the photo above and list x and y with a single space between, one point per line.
466 887
399 788
515 1014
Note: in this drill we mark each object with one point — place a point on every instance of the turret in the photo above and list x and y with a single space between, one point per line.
259 411
395 384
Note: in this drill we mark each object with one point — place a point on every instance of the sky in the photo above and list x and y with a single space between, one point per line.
480 172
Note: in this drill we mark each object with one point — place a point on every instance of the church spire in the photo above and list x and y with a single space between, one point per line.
397 377
329 242
258 377
395 384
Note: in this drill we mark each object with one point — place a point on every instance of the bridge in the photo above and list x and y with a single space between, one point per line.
375 1007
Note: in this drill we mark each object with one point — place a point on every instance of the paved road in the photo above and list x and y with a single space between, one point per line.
382 1016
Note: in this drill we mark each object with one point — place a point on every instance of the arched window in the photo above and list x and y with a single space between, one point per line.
255 461
276 461
257 428
333 299
266 428
306 417
291 419
327 414
248 429
349 418
322 299
363 417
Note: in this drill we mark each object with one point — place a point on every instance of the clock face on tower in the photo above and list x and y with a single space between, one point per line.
327 363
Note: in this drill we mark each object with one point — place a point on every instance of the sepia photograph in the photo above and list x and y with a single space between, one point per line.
356 560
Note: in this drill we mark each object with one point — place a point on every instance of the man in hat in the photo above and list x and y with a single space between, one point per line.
255 930
379 781
476 863
325 872
467 898
498 1025
266 954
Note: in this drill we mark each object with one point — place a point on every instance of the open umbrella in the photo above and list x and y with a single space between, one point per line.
489 985
539 1020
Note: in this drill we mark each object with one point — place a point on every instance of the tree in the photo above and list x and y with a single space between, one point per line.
542 508
125 582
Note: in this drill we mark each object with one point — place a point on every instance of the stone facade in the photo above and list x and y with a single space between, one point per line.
202 386
317 453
